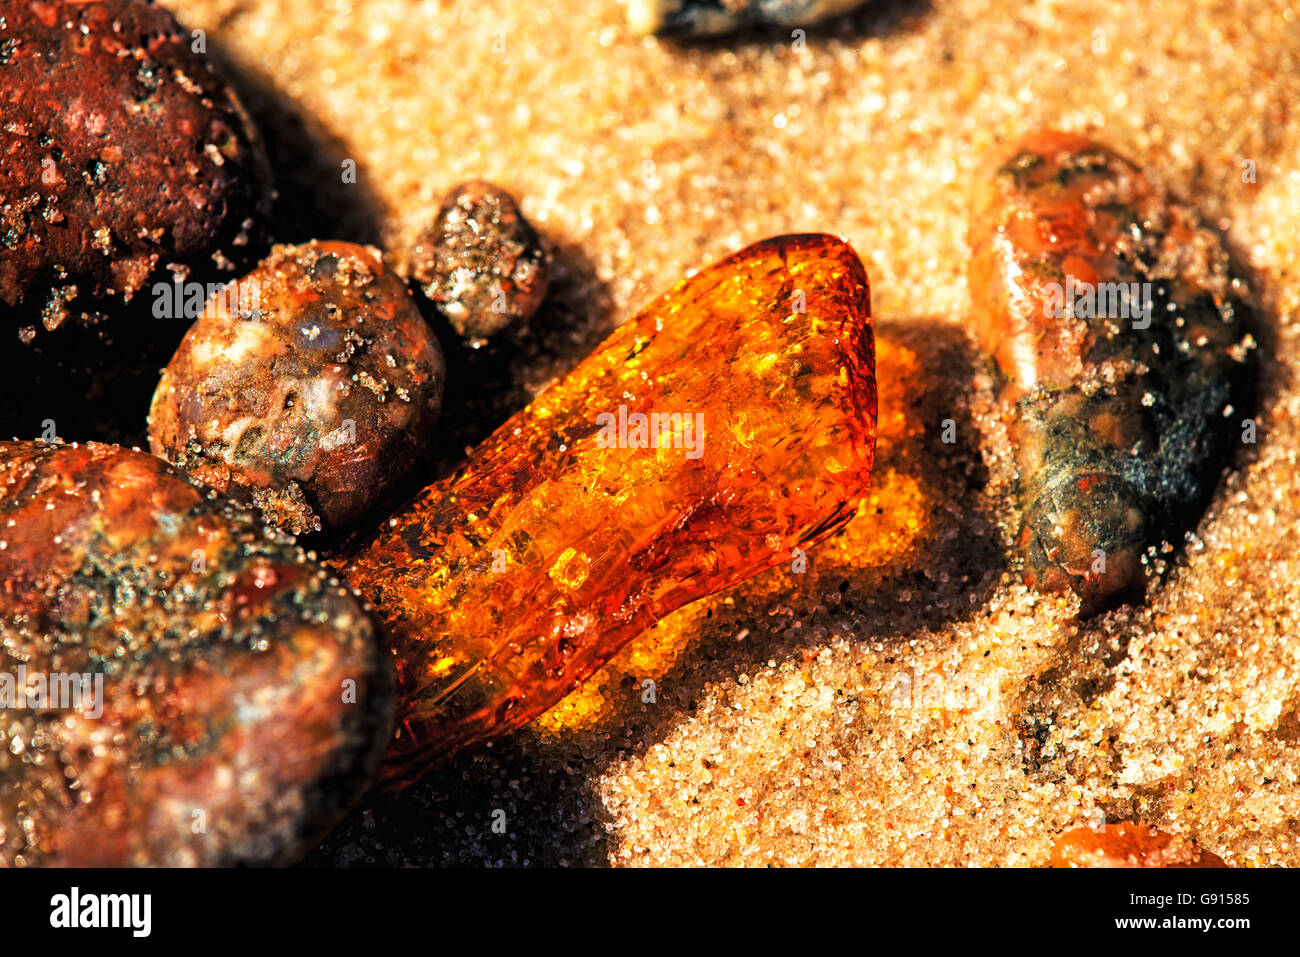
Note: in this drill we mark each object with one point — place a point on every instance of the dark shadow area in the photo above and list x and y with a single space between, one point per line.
1267 379
945 570
312 200
87 383
447 819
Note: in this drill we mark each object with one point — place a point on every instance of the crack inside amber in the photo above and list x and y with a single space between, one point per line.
730 422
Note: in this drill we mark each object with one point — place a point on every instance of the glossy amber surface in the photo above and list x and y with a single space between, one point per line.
566 534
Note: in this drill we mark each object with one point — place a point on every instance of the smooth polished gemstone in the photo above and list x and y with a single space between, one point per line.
725 429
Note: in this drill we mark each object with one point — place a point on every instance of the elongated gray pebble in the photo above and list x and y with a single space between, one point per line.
709 18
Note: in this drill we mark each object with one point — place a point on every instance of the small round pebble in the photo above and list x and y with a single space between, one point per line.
306 389
481 262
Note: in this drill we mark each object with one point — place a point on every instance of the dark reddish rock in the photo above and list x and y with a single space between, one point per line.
121 152
307 389
481 262
244 697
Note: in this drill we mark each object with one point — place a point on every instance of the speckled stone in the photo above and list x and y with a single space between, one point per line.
177 686
481 262
1125 339
307 389
122 151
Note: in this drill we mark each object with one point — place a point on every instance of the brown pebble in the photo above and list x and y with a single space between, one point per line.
482 262
1128 845
235 700
122 151
306 389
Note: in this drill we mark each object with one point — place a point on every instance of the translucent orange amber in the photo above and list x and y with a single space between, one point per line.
574 526
1128 845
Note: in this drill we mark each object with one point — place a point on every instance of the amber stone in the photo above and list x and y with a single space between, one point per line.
306 389
176 686
1122 332
571 529
1128 845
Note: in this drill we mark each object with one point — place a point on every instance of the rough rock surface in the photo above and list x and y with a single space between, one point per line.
122 151
307 389
176 687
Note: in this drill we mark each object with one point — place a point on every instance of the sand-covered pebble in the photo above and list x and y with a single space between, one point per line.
306 389
176 686
482 262
1124 336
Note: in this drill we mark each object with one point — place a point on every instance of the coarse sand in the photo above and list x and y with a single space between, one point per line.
903 700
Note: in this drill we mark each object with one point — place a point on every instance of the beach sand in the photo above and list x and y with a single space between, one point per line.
904 700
